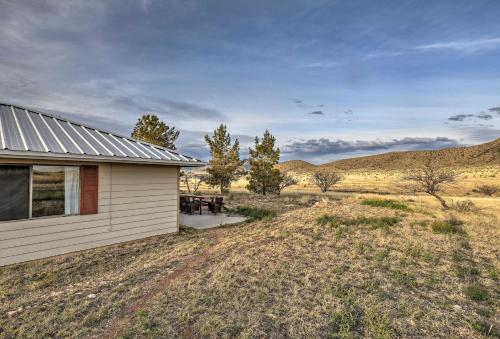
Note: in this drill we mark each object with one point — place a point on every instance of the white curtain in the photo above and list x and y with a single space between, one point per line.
71 190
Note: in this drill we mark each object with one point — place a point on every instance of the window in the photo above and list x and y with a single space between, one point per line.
40 191
14 192
56 190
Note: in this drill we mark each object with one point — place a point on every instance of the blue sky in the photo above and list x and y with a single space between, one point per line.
330 79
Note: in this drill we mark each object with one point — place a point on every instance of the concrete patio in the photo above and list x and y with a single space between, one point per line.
208 220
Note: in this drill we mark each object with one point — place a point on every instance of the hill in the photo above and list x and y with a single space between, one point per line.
479 155
297 166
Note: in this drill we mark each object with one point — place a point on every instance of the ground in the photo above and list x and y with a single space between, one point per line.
334 265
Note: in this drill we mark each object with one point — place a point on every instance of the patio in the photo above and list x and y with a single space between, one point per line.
205 221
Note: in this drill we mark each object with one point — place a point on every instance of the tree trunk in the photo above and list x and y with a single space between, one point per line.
441 200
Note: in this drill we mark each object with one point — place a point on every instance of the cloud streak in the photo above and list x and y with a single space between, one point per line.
495 109
460 117
468 117
463 45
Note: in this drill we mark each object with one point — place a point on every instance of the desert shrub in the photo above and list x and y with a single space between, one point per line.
476 292
373 222
254 213
387 203
487 189
325 179
464 206
451 226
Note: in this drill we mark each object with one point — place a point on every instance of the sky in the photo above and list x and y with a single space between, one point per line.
329 79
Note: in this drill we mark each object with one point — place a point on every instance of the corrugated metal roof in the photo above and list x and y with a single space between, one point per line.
26 133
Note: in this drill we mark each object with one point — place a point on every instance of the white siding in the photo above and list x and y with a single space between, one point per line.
135 201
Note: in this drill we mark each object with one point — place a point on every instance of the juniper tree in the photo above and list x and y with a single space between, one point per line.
151 129
224 165
263 177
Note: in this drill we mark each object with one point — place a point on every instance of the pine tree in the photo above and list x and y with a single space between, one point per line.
264 178
151 129
223 167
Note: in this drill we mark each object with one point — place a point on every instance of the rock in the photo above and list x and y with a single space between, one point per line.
457 308
14 313
92 296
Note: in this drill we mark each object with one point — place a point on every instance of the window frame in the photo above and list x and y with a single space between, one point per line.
30 166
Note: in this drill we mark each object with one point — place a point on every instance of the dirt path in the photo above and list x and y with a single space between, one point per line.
188 267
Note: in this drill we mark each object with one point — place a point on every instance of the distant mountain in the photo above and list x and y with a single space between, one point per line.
479 155
297 166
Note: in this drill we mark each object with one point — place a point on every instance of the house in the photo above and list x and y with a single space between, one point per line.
67 187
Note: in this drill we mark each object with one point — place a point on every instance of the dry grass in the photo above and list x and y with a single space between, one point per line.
286 276
380 181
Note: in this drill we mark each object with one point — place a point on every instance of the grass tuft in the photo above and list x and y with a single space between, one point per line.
451 226
373 222
477 292
254 213
386 203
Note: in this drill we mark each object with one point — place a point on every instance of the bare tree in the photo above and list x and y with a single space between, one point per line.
286 180
488 189
192 181
325 179
431 179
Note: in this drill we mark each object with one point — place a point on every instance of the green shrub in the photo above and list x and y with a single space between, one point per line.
386 203
254 213
451 226
477 292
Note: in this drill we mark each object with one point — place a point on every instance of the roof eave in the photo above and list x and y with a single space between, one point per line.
101 158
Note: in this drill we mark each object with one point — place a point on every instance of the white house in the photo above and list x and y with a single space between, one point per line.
67 187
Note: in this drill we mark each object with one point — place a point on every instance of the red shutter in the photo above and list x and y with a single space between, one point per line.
89 182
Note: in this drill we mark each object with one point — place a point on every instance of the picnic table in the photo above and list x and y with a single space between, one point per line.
203 199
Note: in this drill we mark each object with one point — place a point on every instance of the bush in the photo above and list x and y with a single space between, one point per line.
487 189
325 179
451 226
254 213
464 206
477 292
387 203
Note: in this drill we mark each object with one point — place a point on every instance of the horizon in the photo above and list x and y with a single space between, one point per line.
331 80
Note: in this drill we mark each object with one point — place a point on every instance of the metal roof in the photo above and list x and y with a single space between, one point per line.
25 133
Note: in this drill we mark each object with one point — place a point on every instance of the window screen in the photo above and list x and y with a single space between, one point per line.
14 192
